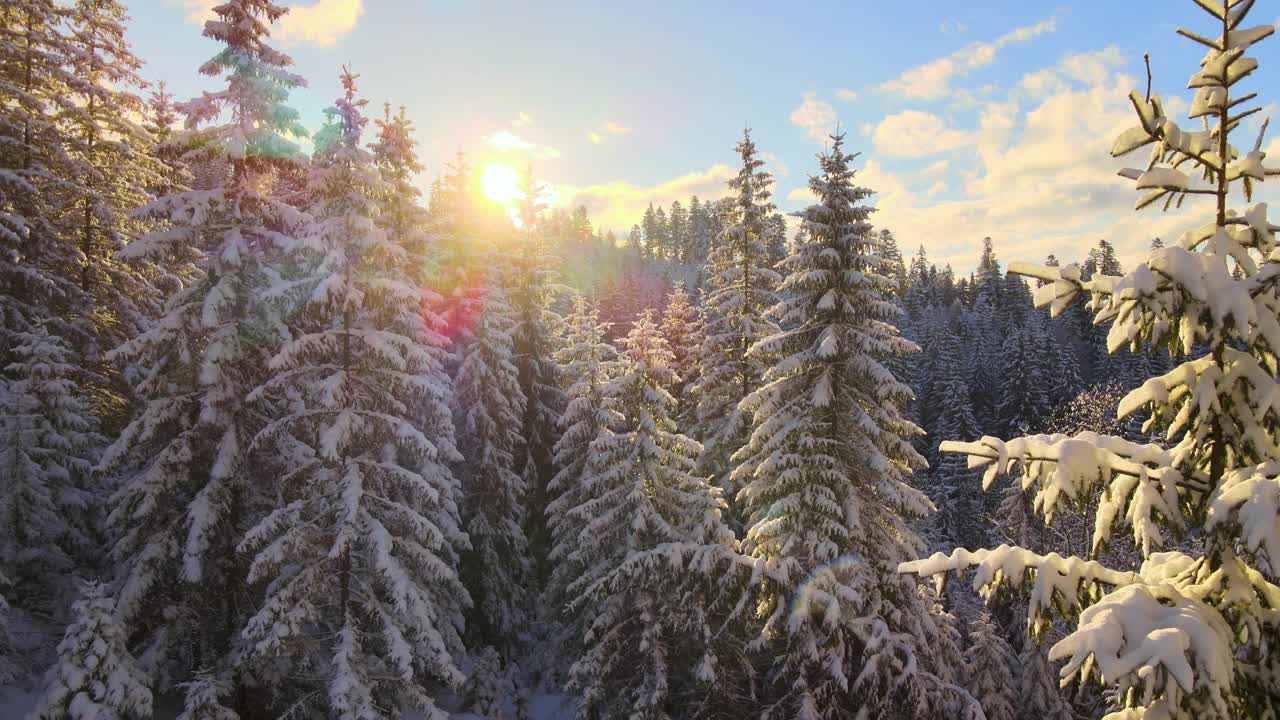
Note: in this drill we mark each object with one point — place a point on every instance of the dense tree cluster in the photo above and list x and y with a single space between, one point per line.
279 437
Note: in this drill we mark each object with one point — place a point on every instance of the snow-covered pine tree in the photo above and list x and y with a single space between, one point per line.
357 555
459 275
1022 403
1039 697
95 677
206 699
678 221
537 338
185 486
489 686
117 168
402 218
960 504
824 478
590 361
644 511
1187 633
39 280
48 446
682 328
897 268
488 412
400 214
989 670
740 290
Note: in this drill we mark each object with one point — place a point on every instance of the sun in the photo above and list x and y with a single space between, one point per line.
500 184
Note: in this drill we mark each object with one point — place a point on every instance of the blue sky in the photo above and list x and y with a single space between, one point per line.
974 118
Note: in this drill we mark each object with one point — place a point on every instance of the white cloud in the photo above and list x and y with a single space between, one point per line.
321 23
776 165
507 141
618 205
915 133
816 117
610 127
846 95
931 81
1040 178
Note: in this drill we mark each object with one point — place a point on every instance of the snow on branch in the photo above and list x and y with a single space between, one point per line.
1140 485
1055 582
1249 498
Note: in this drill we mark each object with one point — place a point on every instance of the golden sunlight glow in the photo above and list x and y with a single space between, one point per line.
500 184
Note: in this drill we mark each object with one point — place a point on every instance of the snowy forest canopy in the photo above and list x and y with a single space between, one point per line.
282 437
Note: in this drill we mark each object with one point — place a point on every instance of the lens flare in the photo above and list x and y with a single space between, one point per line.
500 184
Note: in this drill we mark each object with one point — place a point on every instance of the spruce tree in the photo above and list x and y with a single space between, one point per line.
1022 402
488 413
95 677
1038 695
682 329
39 268
48 446
988 670
536 338
824 479
679 232
960 503
118 168
590 361
642 506
357 554
1188 632
186 481
740 291
459 275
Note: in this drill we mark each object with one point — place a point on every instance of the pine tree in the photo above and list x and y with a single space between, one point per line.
590 361
679 231
357 554
682 329
39 268
490 685
740 291
988 670
643 503
988 278
206 698
959 501
117 168
825 473
537 338
699 231
459 275
1038 694
1184 634
660 243
95 677
893 259
173 175
48 446
652 233
488 412
186 482
1022 402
